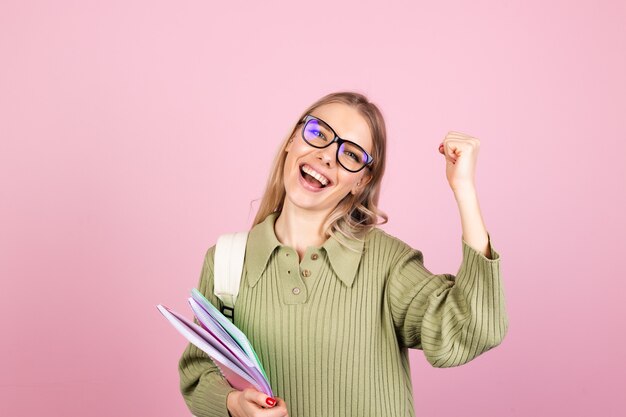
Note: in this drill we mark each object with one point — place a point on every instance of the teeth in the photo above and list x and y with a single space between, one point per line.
315 175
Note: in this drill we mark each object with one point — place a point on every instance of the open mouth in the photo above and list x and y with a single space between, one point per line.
313 178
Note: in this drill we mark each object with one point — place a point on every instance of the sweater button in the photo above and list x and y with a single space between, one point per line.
314 256
296 291
306 273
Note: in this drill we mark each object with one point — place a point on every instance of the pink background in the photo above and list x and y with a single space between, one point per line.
133 133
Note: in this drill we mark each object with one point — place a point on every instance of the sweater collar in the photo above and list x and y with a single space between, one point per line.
262 242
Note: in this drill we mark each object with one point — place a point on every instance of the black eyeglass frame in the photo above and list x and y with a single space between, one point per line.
339 141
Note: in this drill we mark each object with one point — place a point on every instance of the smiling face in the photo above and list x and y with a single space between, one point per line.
307 168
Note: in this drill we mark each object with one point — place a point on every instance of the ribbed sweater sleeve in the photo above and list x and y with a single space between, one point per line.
201 383
453 319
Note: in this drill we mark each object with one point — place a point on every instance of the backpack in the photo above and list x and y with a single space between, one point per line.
230 251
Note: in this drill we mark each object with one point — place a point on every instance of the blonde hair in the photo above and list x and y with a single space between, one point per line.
355 214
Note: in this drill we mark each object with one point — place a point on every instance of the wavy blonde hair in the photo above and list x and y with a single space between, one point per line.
355 214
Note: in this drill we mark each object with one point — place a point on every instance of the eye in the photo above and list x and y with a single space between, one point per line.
319 134
352 156
314 131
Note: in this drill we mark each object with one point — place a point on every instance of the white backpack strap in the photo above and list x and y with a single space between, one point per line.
230 251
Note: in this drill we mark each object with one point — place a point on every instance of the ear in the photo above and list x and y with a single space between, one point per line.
365 179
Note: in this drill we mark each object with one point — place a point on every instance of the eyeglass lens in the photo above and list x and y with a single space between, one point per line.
319 135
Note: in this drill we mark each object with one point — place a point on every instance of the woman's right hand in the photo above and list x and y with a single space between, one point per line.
253 403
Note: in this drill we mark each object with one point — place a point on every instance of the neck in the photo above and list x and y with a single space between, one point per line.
300 228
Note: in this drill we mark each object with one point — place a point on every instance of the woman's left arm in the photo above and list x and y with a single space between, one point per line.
453 319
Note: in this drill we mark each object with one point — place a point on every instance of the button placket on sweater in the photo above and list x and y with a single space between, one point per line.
297 278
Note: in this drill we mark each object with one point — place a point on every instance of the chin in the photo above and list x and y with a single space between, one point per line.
303 200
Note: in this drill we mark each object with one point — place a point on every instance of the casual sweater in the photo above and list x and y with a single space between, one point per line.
332 330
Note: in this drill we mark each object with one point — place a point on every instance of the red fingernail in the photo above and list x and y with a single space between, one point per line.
270 401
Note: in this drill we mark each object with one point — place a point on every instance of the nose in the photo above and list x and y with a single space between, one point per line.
327 155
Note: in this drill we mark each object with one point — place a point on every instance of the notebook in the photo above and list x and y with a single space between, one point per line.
226 345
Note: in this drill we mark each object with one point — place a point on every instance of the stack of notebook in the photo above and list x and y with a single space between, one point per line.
223 342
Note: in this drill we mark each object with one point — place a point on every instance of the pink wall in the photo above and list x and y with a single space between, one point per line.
134 132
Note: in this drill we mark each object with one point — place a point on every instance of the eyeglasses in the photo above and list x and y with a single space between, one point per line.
319 134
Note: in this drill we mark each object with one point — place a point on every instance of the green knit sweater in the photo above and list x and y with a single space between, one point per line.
332 330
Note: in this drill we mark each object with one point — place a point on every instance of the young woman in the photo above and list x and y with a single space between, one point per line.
330 301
